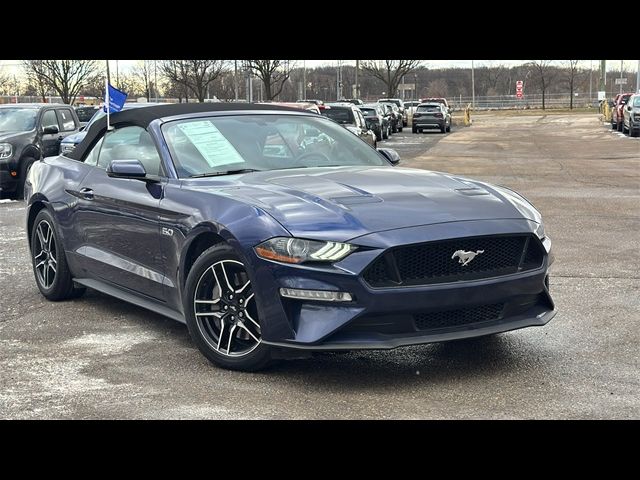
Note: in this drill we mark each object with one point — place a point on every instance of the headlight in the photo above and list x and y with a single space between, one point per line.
540 231
66 148
6 150
296 250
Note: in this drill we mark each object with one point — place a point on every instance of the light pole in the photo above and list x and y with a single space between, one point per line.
415 86
473 86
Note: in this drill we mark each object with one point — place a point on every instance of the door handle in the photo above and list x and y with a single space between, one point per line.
87 193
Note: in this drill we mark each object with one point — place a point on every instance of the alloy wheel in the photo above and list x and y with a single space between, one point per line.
45 262
225 309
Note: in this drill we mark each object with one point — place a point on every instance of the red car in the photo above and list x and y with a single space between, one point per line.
617 115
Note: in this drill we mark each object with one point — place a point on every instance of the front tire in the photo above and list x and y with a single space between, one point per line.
49 261
221 311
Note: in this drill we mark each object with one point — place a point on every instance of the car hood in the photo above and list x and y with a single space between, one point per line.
341 203
8 135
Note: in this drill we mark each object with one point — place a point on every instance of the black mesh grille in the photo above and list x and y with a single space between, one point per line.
462 316
433 263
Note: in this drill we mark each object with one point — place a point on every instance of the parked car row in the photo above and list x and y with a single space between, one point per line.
625 115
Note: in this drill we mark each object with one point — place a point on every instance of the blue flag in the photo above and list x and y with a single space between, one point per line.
116 100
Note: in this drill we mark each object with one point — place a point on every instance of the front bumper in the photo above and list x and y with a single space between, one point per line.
7 182
384 318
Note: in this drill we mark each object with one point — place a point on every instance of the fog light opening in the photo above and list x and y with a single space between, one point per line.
321 295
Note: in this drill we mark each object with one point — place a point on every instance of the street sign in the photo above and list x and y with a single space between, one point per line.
519 89
621 81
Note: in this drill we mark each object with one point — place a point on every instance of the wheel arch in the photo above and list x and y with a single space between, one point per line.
37 203
31 151
201 238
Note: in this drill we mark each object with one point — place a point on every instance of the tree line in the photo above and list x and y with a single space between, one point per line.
287 80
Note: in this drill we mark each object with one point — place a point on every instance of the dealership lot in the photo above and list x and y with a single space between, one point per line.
97 357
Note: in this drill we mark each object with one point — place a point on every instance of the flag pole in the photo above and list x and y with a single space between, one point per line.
106 95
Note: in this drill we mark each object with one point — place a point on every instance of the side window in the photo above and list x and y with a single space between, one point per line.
130 143
92 157
66 120
49 119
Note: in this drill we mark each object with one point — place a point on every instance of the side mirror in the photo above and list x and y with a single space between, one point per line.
50 130
390 154
131 169
629 108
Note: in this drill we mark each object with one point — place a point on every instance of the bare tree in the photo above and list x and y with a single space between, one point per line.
273 74
5 81
142 74
37 83
66 77
545 73
194 75
390 72
438 88
572 66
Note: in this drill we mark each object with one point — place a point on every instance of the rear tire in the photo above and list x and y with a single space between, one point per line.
414 130
449 127
443 128
619 126
219 283
385 133
625 129
49 261
394 128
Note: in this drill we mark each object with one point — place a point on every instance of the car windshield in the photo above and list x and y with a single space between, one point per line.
17 119
85 113
428 108
368 112
210 145
340 115
636 101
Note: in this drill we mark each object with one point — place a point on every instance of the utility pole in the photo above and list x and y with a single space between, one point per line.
602 81
304 80
339 81
590 82
357 84
117 76
155 78
621 67
638 78
473 86
235 80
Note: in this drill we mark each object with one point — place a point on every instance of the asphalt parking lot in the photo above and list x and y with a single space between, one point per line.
98 357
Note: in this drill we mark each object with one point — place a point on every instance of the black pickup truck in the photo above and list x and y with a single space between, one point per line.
28 132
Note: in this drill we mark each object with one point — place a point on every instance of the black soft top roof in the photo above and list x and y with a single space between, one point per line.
142 117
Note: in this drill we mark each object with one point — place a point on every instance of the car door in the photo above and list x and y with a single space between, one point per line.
50 141
119 216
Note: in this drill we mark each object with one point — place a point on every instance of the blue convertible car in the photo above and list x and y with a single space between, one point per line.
270 232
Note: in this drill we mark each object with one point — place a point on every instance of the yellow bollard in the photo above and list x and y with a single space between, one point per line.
467 115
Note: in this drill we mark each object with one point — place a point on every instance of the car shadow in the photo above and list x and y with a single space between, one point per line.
438 363
366 370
